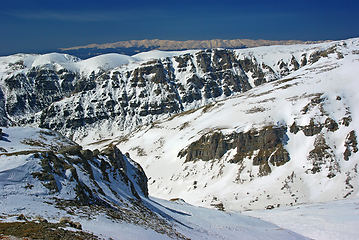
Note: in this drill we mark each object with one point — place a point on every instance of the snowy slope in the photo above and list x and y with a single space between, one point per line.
101 197
55 166
314 114
23 62
157 54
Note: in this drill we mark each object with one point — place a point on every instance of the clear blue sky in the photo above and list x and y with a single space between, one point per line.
35 26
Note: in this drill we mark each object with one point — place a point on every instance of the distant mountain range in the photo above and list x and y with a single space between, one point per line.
135 46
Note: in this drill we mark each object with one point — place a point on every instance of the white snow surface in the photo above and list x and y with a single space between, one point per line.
157 54
203 223
320 221
103 62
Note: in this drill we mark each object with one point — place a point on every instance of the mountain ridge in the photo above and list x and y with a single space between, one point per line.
194 44
135 46
139 89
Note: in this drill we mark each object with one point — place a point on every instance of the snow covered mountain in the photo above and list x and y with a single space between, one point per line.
286 142
97 97
245 129
40 167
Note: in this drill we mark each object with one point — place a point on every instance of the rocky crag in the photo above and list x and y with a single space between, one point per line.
95 104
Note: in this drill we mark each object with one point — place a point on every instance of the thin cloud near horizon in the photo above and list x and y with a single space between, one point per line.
83 16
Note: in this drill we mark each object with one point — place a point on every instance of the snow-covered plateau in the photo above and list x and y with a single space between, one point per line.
270 132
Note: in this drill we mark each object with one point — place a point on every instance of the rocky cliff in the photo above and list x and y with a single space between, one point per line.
58 94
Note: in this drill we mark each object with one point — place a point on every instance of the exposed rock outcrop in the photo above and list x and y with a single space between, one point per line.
110 163
265 146
323 156
351 145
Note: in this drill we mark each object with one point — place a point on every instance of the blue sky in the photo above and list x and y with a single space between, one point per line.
38 26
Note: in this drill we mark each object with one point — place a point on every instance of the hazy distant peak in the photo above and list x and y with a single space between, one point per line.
191 44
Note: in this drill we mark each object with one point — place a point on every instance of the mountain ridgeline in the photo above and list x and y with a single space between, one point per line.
135 46
55 96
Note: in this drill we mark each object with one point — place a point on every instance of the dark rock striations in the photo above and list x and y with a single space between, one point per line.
264 146
121 99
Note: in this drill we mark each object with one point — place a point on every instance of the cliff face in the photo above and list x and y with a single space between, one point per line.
266 146
37 89
267 141
97 102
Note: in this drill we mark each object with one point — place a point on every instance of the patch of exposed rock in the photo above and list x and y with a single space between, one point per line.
265 146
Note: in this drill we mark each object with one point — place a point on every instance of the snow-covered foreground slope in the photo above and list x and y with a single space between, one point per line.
286 142
45 177
43 174
195 223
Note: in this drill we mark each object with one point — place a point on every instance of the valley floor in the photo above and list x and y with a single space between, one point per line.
320 221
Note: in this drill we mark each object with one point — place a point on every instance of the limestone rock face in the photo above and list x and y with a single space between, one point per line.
82 103
37 89
265 145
